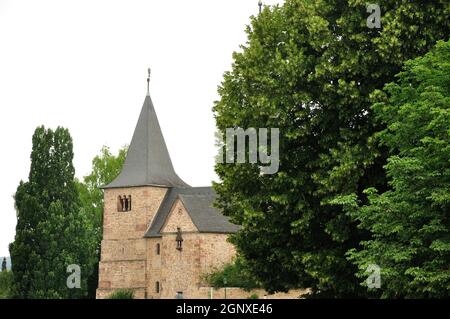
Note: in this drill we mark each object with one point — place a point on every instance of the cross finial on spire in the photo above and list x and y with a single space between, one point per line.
148 82
260 5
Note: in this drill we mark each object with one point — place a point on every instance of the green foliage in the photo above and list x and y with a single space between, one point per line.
105 168
410 223
122 294
235 274
309 68
4 264
52 232
253 296
6 283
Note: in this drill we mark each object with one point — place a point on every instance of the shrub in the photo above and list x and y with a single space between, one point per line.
234 274
6 282
122 294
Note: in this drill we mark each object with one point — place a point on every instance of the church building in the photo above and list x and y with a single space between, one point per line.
160 235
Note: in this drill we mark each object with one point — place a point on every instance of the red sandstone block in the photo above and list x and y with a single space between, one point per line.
104 284
141 227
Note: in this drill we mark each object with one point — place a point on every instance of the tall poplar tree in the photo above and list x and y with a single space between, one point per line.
51 231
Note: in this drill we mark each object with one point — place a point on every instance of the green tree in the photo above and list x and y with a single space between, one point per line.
235 274
122 294
309 68
6 283
410 224
105 167
51 232
4 264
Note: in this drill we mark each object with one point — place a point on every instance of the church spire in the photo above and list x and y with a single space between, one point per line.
148 161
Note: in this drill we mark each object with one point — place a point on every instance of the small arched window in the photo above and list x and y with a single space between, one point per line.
157 287
124 203
158 249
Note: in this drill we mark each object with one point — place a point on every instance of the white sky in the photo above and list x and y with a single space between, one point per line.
83 65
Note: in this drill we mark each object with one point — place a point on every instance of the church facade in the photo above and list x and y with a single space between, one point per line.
160 235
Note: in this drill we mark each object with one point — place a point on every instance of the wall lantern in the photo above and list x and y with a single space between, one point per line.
179 239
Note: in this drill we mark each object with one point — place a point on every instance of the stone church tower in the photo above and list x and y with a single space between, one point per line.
159 234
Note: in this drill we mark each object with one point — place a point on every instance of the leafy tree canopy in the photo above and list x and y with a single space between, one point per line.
105 167
410 224
309 68
235 274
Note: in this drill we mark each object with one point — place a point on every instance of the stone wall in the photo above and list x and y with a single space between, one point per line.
123 260
123 249
154 264
180 269
178 218
132 224
128 260
122 274
183 271
238 293
215 252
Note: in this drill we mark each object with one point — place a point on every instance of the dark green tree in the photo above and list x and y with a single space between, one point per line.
4 264
309 68
410 224
51 231
105 167
234 274
6 283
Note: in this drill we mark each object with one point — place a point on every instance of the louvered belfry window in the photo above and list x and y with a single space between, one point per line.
124 203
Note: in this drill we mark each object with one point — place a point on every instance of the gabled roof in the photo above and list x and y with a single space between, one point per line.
198 202
204 216
148 161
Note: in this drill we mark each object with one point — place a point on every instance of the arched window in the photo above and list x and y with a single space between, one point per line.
157 287
158 249
124 203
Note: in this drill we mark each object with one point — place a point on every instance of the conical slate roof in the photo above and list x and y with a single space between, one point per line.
148 161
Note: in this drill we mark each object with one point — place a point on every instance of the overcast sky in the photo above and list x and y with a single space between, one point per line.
83 65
